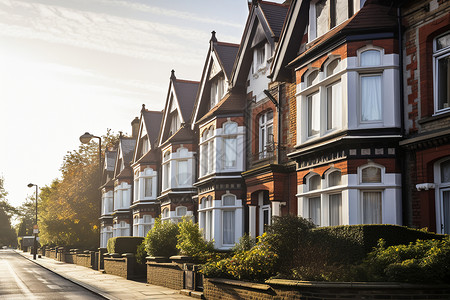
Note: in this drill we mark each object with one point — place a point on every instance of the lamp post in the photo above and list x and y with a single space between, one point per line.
37 230
85 139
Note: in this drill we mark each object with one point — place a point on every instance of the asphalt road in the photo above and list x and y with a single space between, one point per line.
23 279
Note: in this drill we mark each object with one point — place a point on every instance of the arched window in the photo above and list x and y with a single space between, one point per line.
314 183
371 175
334 178
165 213
312 78
228 220
370 58
333 67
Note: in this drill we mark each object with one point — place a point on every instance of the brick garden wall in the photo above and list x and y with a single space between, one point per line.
84 260
288 289
115 266
169 275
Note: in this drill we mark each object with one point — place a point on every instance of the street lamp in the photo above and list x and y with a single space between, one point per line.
37 230
85 139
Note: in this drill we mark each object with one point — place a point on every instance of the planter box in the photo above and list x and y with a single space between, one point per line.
218 288
124 266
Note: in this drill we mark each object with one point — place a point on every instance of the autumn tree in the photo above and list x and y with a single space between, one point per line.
69 207
7 233
26 214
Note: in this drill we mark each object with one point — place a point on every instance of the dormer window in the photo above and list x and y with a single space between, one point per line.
145 145
327 14
217 90
260 55
174 123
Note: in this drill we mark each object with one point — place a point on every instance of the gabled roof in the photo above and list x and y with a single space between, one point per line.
124 153
264 19
219 54
149 125
232 103
181 95
373 18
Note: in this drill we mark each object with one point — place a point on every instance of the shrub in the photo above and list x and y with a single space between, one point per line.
245 243
124 244
161 240
141 254
422 261
256 264
190 241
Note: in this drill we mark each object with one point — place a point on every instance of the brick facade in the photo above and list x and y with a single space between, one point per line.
169 275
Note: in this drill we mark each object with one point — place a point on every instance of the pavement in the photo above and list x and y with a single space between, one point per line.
105 285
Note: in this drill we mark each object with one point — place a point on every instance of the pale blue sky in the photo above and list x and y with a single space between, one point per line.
67 67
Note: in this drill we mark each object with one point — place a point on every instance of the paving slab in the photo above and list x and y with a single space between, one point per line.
105 285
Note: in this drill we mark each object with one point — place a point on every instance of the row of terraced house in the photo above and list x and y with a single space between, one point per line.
334 110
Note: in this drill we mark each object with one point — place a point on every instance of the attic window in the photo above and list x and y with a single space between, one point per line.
260 55
327 14
174 123
217 90
145 145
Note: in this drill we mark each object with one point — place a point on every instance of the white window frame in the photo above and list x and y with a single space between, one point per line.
440 188
229 136
371 187
265 125
207 152
437 55
229 208
166 174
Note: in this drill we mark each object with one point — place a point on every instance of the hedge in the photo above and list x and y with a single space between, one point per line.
124 244
352 243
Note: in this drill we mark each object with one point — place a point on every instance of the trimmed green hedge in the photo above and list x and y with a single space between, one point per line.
352 243
124 244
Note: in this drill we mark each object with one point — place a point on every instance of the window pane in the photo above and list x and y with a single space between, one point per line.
446 212
148 187
322 16
443 42
372 208
370 58
313 114
445 171
371 175
181 211
183 172
332 67
312 78
211 156
229 200
204 159
230 128
371 98
443 82
314 210
334 179
341 11
228 227
334 106
335 209
314 183
230 152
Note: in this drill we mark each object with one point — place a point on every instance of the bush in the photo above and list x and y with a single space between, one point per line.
423 261
257 264
124 244
245 243
190 241
141 254
161 240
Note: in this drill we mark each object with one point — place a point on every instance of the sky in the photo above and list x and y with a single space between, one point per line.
69 67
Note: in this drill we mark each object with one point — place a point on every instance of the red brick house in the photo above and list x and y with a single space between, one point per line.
426 50
107 190
146 166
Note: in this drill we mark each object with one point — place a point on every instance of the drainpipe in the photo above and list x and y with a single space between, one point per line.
278 107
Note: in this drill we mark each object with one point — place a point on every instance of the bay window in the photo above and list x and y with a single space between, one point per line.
148 187
334 106
313 105
166 171
370 84
371 199
228 217
441 55
207 152
182 172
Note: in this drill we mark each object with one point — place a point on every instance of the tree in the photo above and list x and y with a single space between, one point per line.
69 208
26 216
7 233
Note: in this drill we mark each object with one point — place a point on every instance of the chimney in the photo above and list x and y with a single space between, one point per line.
135 127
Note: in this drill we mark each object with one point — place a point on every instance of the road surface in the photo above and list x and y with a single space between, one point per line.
22 279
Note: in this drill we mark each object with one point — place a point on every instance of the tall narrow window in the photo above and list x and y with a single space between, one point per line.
266 135
335 209
371 109
444 196
260 55
313 107
148 187
166 171
371 205
228 216
174 123
230 142
334 106
183 174
136 189
322 16
442 72
314 210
